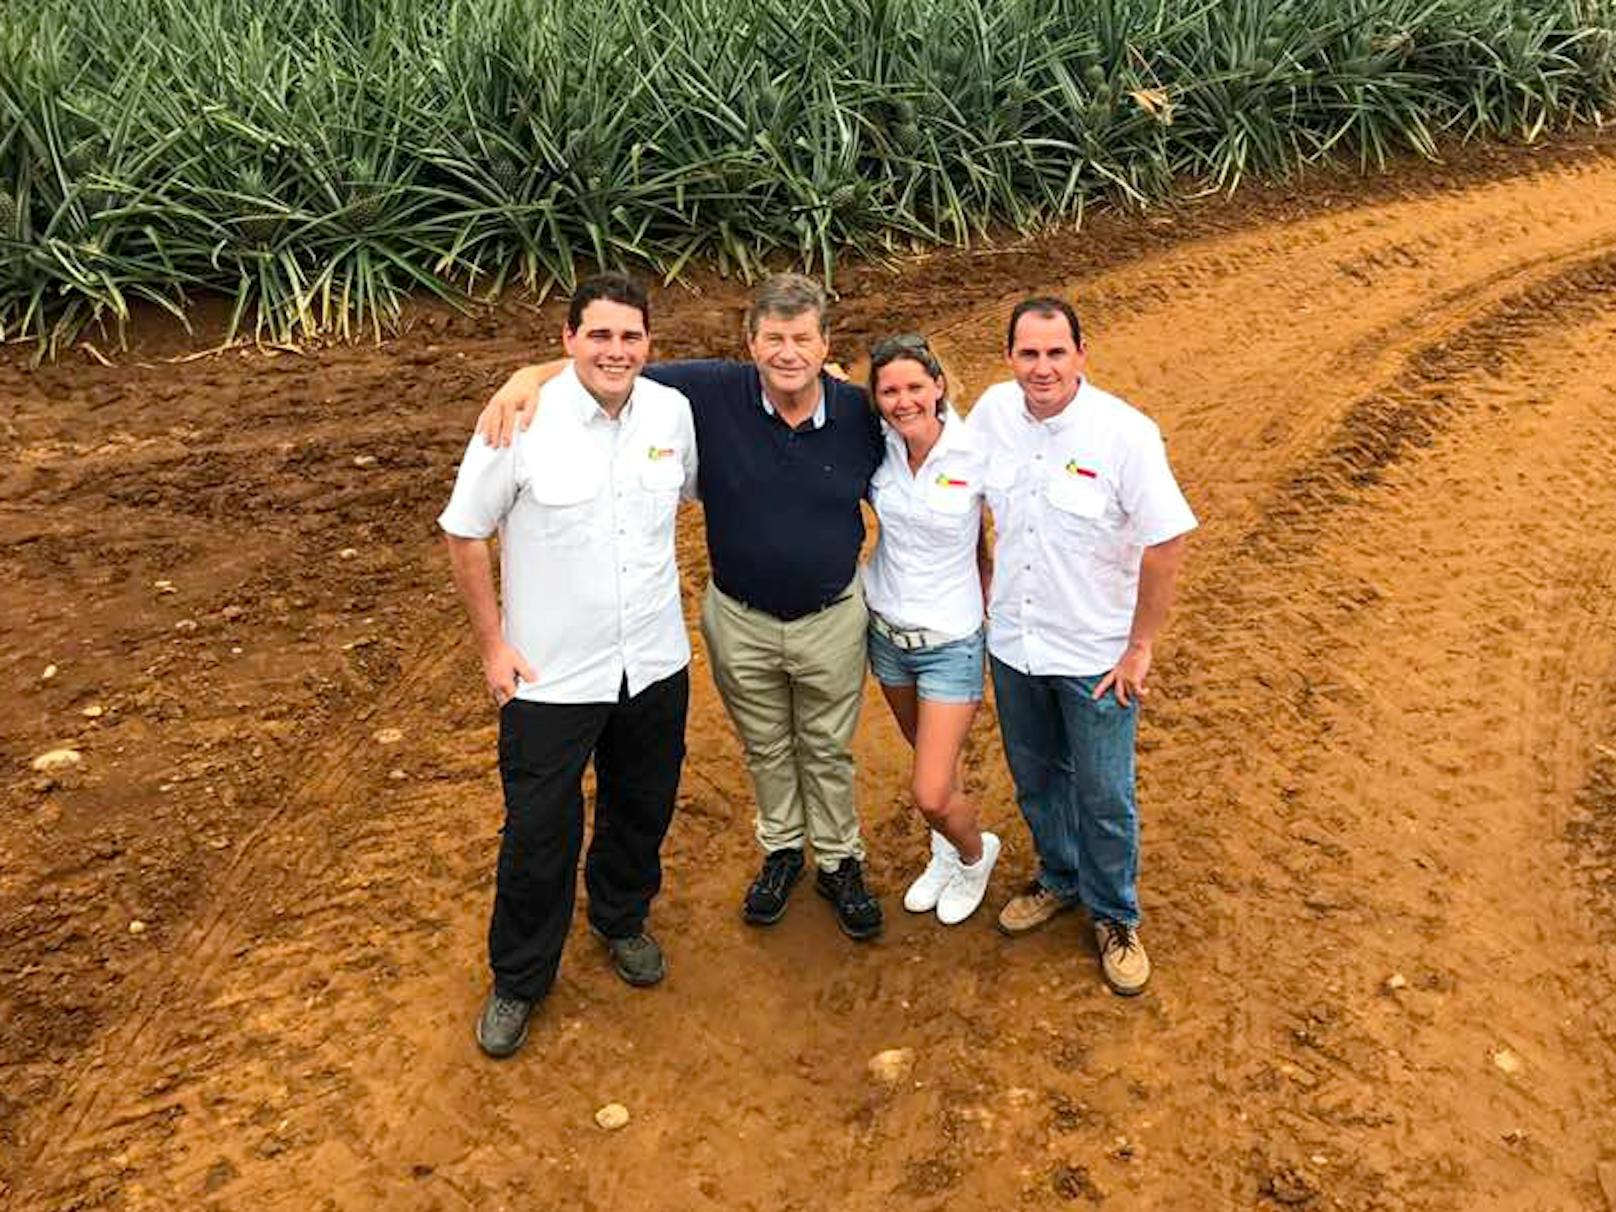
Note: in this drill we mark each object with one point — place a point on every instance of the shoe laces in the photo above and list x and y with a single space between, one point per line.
508 1008
776 872
848 880
1119 936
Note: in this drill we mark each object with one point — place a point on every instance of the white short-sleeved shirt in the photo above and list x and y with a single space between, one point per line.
585 509
923 572
1076 500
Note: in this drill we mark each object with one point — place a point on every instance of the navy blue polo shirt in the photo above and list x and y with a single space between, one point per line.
784 526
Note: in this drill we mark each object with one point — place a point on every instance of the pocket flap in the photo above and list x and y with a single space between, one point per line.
1077 495
663 470
1001 476
950 496
555 482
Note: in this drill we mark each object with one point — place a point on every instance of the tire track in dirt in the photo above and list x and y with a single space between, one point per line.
1246 348
173 976
1315 578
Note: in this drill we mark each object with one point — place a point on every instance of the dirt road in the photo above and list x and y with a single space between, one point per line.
241 941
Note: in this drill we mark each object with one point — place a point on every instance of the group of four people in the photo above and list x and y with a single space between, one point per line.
580 466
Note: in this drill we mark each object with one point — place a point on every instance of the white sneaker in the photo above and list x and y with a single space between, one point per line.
923 893
970 883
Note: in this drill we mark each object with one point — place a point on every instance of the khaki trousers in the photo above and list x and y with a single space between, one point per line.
793 690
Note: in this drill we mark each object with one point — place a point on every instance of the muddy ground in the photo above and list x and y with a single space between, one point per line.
241 942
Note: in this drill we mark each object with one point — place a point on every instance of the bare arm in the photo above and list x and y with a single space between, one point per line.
473 571
515 402
1158 572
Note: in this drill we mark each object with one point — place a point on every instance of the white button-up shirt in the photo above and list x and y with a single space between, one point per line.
585 508
923 572
1076 500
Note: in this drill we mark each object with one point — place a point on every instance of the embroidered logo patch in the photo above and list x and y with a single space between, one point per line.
1074 469
662 452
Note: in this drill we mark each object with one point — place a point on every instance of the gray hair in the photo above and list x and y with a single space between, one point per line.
787 296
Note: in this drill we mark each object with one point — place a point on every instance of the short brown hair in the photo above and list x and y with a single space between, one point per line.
1047 306
613 288
787 296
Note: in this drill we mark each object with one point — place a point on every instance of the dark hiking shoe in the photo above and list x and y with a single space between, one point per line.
766 898
858 913
502 1026
638 959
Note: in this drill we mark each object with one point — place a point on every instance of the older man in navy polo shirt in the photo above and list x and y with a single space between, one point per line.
786 453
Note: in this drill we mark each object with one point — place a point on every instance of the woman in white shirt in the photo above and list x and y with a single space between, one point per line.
925 585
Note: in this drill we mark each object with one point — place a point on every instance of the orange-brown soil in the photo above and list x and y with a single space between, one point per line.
1378 776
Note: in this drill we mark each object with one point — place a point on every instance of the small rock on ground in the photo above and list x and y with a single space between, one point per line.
892 1066
612 1116
54 761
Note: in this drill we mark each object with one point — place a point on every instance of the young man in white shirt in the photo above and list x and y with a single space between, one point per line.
590 658
1090 533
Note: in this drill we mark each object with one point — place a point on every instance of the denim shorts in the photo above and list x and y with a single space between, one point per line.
943 673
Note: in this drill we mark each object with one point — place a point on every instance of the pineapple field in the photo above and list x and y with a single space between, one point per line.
261 265
318 162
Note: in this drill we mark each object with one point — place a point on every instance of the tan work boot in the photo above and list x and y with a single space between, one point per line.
1122 957
1030 908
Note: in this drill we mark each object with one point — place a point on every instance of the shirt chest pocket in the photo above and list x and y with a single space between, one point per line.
660 478
1079 501
998 483
565 494
949 509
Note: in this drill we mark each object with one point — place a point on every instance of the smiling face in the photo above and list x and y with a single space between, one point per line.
789 351
908 396
608 349
1047 362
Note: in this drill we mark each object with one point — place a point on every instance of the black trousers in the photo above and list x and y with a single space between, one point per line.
638 745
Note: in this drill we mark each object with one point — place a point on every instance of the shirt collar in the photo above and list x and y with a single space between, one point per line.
954 436
1066 416
819 416
586 410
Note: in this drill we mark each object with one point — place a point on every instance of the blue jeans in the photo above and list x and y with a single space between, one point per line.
1071 758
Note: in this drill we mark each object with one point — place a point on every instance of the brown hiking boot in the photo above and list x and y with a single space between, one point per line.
1030 908
1122 957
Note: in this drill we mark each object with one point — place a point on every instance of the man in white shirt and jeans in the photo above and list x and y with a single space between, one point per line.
1090 533
591 657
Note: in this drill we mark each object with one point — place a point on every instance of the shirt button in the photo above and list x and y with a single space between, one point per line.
1038 458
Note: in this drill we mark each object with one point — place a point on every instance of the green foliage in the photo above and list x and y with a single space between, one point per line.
320 160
